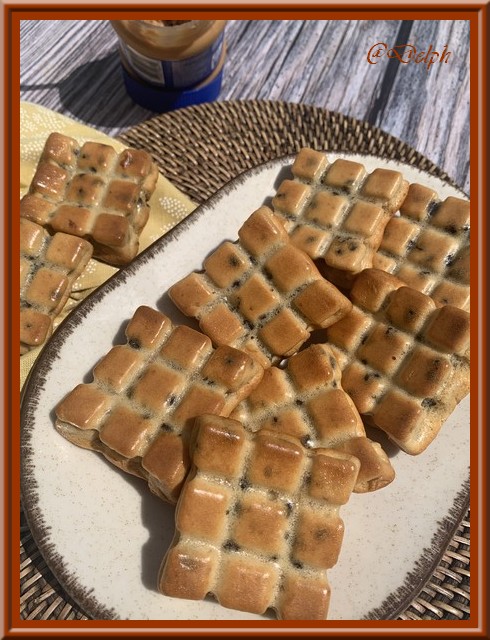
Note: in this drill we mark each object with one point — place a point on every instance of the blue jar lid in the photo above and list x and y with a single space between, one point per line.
160 100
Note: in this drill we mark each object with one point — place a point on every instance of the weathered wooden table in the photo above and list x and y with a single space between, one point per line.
73 68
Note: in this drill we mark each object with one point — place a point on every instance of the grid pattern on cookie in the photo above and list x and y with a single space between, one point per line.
428 246
306 400
92 192
49 265
260 294
140 406
337 211
257 523
405 361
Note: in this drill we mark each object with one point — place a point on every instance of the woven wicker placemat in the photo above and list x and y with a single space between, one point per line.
200 149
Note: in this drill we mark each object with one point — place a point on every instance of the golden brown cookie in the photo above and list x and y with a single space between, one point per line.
139 409
338 211
428 246
405 361
306 400
49 265
94 193
257 522
260 294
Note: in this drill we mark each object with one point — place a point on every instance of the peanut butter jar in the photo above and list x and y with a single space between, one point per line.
156 99
171 55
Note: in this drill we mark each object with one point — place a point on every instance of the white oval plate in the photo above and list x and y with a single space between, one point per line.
104 535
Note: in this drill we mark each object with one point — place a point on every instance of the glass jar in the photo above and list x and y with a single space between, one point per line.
171 54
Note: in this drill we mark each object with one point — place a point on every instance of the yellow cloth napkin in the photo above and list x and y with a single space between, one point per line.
168 205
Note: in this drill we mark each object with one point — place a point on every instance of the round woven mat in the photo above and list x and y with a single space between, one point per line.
200 149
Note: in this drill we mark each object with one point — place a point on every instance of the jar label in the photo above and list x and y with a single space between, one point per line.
174 74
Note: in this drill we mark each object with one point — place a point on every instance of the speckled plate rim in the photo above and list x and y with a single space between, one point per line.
389 609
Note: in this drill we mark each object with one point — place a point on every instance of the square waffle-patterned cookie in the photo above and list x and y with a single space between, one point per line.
140 407
405 361
260 294
257 522
94 193
49 265
428 246
338 211
306 400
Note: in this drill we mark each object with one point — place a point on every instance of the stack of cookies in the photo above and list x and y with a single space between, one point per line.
84 201
254 427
